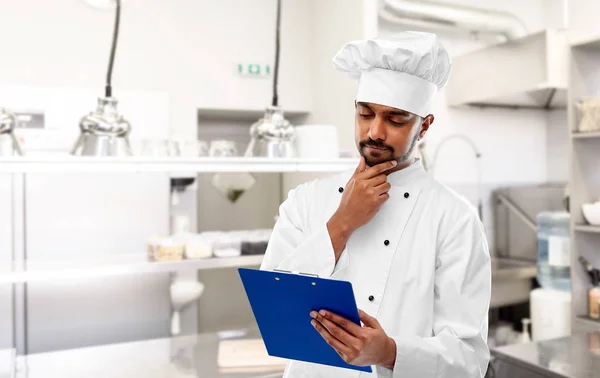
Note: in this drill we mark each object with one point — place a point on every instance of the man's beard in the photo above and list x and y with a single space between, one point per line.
379 144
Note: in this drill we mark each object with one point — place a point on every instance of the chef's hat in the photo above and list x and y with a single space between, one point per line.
403 71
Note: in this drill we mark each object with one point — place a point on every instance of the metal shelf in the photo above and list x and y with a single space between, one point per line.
587 228
586 135
66 164
118 265
583 182
588 323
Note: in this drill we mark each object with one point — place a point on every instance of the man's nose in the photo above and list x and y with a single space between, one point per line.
377 129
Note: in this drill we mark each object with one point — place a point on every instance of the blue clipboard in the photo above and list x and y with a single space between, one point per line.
282 302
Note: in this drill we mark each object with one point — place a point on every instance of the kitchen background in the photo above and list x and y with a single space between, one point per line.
176 76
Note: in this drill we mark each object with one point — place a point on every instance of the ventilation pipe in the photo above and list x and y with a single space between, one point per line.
447 16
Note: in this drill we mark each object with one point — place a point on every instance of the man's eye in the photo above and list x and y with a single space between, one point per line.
395 123
365 115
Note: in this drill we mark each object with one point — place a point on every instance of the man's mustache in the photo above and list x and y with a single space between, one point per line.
375 143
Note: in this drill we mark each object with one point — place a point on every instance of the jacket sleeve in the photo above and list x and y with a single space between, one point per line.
294 246
462 290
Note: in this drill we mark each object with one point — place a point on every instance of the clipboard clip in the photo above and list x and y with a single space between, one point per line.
299 273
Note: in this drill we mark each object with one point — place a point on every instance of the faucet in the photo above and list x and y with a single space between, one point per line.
430 165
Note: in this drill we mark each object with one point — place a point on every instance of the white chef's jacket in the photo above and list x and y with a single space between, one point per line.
421 266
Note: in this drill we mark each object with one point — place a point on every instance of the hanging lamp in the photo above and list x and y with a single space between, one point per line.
273 136
104 132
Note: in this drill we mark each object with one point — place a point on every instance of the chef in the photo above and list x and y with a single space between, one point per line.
415 251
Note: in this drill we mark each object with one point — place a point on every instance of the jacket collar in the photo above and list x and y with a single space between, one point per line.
407 175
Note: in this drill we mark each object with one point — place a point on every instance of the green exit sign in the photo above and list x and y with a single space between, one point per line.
254 69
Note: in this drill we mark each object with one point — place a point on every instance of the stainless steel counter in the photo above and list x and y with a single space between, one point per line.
179 357
576 356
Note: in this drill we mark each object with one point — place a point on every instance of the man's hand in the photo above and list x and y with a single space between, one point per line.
360 346
364 194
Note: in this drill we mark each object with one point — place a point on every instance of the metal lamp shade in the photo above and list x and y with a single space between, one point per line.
272 136
9 145
103 132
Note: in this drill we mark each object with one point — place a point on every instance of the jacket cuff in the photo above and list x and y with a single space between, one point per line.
411 360
315 255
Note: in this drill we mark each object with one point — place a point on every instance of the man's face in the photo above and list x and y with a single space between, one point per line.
384 133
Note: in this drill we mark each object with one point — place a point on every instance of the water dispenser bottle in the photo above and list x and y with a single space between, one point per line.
554 257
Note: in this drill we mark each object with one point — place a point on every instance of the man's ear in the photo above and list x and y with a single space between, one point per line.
355 104
425 124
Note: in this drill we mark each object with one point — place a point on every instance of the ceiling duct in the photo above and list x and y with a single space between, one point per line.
528 70
448 16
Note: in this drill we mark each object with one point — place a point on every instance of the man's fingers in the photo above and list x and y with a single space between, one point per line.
378 169
383 188
336 344
383 197
377 180
345 324
339 333
350 342
362 165
368 320
342 355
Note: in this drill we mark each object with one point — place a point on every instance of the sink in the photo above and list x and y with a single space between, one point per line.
511 281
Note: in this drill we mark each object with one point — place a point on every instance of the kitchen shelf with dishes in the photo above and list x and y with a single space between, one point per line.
182 252
68 164
584 183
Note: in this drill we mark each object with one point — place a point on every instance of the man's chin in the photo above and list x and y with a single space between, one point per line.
377 157
370 161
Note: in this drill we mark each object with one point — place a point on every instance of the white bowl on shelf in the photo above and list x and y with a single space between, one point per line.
317 142
591 213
